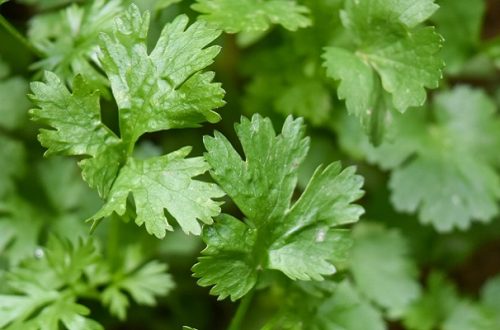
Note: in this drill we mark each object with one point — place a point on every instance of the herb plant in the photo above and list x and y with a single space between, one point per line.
296 164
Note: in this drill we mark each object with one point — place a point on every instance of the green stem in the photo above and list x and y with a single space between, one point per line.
241 311
113 239
18 36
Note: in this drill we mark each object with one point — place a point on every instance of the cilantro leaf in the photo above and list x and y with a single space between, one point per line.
392 62
435 304
21 224
462 36
44 290
142 282
14 105
79 130
337 306
468 316
253 15
12 159
66 39
346 309
152 94
382 270
161 183
166 88
445 168
459 183
300 240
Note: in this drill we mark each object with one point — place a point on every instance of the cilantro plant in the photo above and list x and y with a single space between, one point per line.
296 164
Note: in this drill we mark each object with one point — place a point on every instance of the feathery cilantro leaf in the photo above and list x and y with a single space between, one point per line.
158 91
300 240
253 15
382 270
44 291
142 282
392 62
67 37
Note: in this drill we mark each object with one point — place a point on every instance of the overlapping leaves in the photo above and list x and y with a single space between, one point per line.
66 39
43 290
443 168
300 240
392 61
154 91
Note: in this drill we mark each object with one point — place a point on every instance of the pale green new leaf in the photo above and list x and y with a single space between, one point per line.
164 183
253 15
299 240
382 268
163 89
393 61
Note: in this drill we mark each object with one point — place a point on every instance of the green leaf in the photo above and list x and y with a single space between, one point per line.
382 268
442 168
452 180
142 282
468 316
164 89
346 309
67 37
253 15
78 129
433 307
462 36
300 240
336 306
15 104
12 158
161 90
393 60
44 289
490 299
164 183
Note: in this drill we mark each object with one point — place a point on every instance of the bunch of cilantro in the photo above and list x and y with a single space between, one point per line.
311 164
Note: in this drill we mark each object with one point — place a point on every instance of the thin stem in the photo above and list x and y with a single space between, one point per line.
18 36
113 239
241 311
